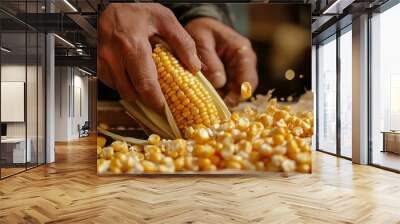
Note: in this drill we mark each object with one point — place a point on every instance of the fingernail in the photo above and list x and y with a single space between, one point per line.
218 79
196 65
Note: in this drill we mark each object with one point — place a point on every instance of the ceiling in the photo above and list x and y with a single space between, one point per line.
75 21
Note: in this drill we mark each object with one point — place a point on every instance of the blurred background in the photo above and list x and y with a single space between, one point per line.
281 37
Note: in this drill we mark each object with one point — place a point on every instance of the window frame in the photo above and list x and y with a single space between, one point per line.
339 32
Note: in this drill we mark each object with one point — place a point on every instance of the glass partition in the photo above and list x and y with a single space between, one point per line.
346 93
385 89
15 151
326 100
23 89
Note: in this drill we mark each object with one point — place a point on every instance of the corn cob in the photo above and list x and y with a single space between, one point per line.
191 100
191 104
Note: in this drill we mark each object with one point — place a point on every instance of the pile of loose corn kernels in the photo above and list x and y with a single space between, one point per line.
271 139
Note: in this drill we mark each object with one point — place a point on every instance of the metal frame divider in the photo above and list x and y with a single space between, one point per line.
338 98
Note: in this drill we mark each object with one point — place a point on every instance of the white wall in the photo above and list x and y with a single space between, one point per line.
71 93
33 127
17 73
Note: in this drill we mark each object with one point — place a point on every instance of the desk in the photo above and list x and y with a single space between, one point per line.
391 141
13 150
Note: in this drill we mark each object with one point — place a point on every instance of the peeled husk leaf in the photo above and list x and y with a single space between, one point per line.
114 136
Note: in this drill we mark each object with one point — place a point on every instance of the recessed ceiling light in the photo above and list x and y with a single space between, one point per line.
84 71
65 41
5 50
70 5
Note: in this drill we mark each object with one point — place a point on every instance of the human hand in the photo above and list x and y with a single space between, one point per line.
124 58
228 57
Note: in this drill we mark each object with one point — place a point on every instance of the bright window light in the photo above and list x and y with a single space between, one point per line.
70 5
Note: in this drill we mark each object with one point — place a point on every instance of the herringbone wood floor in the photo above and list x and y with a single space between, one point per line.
70 192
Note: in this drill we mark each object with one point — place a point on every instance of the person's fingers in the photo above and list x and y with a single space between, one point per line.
180 41
241 68
142 72
213 67
104 73
123 84
120 79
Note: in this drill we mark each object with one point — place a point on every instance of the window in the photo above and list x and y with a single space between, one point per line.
327 95
385 88
346 92
22 78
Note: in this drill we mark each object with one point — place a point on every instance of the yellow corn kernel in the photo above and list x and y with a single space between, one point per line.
116 163
266 120
286 108
278 139
155 157
228 151
127 164
288 166
154 139
297 131
247 165
245 146
272 167
201 136
120 146
257 144
266 150
121 156
151 148
167 169
140 156
259 166
102 166
99 150
281 115
189 133
108 152
149 167
306 148
235 116
135 148
304 168
215 160
303 158
204 162
243 123
254 156
256 128
233 164
210 167
179 163
292 149
101 141
115 170
245 90
203 151
277 160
